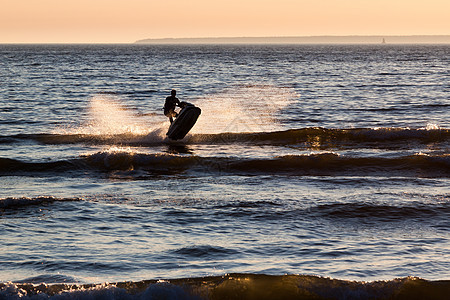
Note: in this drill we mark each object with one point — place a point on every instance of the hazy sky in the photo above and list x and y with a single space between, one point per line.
122 21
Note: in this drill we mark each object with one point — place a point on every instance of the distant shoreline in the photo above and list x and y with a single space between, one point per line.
351 39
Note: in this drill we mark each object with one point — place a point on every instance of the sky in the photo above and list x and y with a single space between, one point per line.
125 21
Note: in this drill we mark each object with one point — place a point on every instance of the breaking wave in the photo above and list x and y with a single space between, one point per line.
309 137
236 286
309 164
317 136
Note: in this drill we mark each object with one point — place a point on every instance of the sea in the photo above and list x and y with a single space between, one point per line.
313 172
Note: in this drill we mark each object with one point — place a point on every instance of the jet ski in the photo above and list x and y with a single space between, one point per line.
184 122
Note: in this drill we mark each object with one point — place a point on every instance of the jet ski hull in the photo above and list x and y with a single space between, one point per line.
184 122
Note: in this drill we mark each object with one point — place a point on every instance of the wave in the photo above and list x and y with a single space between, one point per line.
318 136
309 137
206 251
90 139
335 211
381 213
322 164
7 203
359 212
236 286
13 165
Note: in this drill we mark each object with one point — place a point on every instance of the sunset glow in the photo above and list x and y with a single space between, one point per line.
118 21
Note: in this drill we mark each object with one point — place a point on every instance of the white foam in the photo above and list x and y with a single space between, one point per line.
432 126
107 115
250 108
101 291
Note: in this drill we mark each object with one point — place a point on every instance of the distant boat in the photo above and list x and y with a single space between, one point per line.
384 41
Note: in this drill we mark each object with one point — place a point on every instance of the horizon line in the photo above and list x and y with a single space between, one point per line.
423 38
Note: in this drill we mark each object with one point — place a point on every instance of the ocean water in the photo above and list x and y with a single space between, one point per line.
313 172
